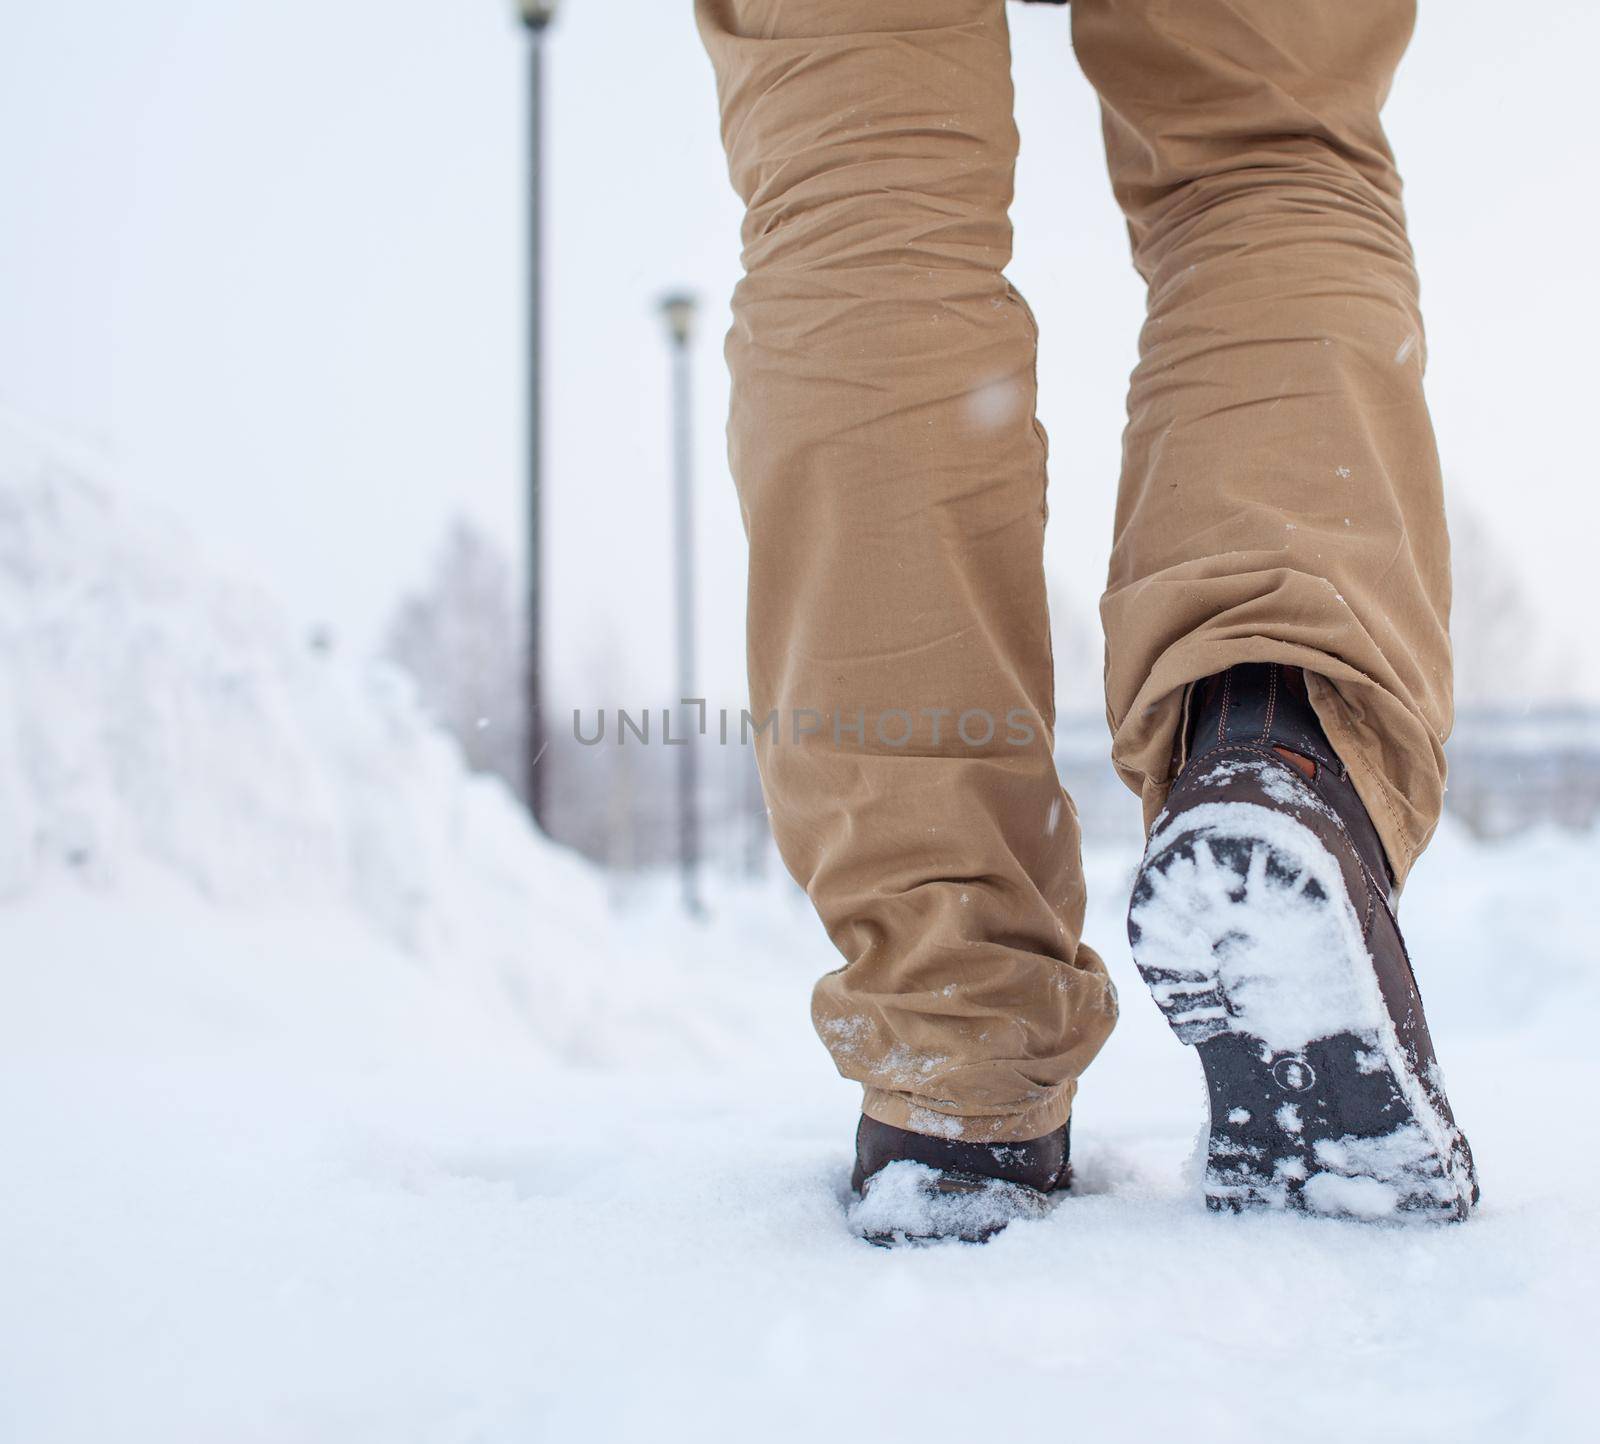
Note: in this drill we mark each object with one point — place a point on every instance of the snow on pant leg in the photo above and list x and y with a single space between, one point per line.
891 474
1280 497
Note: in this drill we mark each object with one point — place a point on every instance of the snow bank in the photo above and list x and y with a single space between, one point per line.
155 711
162 728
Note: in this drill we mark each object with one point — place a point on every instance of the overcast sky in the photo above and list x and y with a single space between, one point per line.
266 258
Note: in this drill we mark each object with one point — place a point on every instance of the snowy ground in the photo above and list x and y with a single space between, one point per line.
335 1107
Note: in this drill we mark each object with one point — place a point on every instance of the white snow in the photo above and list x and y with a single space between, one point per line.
1281 784
334 1106
1194 928
1362 1197
903 1202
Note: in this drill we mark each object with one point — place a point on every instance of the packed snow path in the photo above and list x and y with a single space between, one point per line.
336 1107
263 1183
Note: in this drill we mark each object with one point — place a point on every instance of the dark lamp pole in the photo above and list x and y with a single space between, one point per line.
678 312
536 16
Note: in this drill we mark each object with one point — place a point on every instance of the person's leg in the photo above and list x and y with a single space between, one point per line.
1280 497
892 476
1281 541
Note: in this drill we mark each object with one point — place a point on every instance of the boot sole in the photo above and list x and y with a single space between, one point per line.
1243 930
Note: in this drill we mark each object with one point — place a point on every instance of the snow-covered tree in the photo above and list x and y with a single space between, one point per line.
1500 645
1078 649
460 638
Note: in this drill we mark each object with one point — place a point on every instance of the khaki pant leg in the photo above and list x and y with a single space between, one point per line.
1280 496
891 475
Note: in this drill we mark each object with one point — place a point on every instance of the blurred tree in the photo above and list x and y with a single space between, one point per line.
1078 648
460 638
1502 652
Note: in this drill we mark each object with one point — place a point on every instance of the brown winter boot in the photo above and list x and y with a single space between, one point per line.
1263 922
916 1189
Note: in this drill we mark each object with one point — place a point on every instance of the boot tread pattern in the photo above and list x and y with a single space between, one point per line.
1243 930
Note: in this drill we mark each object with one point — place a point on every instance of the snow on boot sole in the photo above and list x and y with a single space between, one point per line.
1242 928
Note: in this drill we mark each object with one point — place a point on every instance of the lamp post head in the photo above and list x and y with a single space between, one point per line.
536 14
678 311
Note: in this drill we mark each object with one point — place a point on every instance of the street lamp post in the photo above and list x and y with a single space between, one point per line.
678 311
536 16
